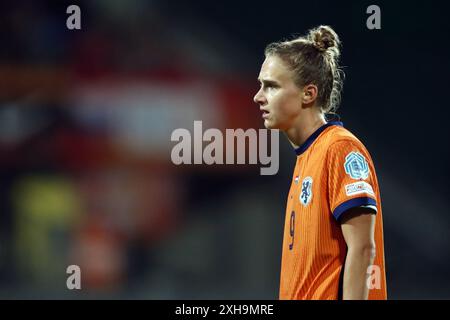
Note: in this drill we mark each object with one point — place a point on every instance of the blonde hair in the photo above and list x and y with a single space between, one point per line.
314 59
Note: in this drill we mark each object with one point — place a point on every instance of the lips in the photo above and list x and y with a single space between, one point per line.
265 113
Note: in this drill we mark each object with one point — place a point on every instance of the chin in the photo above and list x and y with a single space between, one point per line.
271 125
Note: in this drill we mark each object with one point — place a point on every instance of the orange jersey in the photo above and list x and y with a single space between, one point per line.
333 173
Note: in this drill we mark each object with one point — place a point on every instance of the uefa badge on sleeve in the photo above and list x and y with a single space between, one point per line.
306 191
356 166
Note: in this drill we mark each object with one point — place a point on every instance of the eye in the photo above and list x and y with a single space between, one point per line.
270 86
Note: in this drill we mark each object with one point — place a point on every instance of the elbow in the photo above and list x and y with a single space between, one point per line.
367 251
371 252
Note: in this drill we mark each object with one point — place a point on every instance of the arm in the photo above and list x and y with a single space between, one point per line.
358 227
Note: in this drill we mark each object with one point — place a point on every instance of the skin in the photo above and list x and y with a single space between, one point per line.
290 108
293 110
358 228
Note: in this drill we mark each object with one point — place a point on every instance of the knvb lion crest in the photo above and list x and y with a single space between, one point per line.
306 191
356 166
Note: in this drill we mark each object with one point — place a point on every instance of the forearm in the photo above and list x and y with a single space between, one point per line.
355 273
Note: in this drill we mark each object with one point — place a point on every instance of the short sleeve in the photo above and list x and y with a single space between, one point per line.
351 178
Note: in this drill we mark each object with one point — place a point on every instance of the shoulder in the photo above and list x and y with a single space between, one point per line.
339 137
341 143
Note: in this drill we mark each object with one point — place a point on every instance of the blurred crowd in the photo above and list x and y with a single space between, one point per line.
85 123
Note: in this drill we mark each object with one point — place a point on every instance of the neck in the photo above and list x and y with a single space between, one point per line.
304 127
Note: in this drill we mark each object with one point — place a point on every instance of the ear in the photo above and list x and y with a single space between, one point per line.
309 94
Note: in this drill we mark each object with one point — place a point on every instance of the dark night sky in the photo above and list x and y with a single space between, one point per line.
395 93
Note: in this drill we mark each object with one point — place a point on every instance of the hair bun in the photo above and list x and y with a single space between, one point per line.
324 37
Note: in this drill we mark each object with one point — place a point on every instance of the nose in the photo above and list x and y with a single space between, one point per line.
259 98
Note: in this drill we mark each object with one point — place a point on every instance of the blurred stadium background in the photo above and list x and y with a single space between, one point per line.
85 124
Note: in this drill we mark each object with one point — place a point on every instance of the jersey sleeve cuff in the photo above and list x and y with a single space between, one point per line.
353 203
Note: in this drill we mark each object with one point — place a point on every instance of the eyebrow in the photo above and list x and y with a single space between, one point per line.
268 82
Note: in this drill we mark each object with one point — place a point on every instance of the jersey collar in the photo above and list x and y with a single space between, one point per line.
314 136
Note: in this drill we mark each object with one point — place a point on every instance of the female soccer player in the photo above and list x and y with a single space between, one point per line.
333 234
